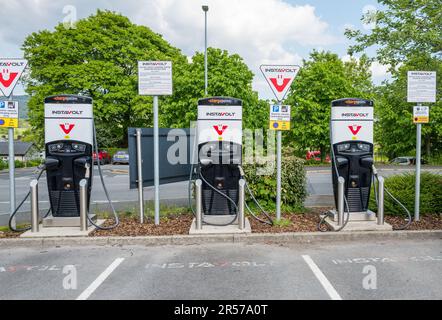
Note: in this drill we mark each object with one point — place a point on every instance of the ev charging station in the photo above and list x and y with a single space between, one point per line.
68 146
70 140
219 185
351 136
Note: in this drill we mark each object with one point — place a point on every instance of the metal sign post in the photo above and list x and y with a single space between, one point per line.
279 121
11 158
155 79
421 87
156 164
279 78
11 72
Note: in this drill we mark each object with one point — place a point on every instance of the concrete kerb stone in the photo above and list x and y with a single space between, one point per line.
265 238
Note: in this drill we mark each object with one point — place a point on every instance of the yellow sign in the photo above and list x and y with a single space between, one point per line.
421 114
8 123
421 119
279 125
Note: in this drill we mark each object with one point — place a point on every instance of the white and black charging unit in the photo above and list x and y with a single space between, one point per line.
69 141
219 140
220 183
353 170
351 142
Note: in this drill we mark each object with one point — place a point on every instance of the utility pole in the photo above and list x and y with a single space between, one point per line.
205 9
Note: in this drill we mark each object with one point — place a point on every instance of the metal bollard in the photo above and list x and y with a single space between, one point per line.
241 199
34 206
381 201
341 183
83 205
140 176
199 209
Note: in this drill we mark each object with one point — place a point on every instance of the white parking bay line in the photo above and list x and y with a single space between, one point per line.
334 295
97 282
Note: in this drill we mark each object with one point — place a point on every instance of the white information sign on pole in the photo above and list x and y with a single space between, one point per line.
421 86
155 78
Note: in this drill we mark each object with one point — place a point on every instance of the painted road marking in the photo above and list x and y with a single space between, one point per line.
334 295
97 282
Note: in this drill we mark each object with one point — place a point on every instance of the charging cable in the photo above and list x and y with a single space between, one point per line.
407 224
42 169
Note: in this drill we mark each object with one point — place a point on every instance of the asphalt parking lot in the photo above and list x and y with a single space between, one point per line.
393 269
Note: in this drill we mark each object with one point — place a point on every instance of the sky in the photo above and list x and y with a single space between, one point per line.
261 31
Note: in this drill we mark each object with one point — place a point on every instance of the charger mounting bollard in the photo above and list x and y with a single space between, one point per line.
68 147
351 135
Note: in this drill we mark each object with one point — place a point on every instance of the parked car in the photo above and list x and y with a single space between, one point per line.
103 156
121 156
316 155
406 161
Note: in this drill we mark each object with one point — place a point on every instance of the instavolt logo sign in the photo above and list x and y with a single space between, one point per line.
10 72
279 78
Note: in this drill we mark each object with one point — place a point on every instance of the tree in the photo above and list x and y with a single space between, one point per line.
97 58
228 75
395 129
405 29
323 78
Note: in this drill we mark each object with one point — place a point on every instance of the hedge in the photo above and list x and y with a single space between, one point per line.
21 164
293 182
403 186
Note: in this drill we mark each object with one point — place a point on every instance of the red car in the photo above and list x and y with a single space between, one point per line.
316 155
103 156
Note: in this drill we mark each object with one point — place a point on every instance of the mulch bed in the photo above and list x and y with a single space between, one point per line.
131 227
9 234
179 225
427 222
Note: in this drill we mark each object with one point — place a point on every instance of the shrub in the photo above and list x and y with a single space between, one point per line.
3 165
293 182
21 164
403 186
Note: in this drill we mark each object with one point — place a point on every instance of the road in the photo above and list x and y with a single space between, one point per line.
398 269
117 182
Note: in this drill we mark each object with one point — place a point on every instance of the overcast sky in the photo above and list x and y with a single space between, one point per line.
261 31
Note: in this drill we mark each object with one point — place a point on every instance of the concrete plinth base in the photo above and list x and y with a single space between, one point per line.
228 229
355 216
51 221
359 225
50 232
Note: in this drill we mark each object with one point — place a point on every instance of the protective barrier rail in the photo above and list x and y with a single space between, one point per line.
34 206
341 183
83 205
199 209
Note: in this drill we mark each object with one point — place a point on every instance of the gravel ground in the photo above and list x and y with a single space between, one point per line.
179 224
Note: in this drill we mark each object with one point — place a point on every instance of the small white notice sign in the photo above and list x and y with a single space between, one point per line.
155 78
421 86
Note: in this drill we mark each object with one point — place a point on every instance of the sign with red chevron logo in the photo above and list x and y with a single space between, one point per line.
279 78
10 72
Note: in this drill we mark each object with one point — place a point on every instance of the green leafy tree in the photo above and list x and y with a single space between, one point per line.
323 78
404 29
97 58
228 75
